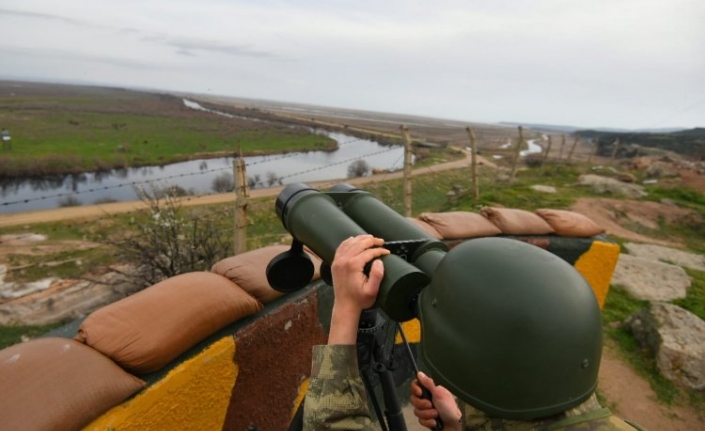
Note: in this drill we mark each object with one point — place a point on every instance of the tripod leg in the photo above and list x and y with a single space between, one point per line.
297 423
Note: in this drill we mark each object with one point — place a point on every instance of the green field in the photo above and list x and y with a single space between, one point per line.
57 130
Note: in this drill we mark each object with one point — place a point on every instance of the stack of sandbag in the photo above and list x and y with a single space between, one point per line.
63 384
493 221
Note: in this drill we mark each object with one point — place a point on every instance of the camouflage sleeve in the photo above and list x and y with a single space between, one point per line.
336 398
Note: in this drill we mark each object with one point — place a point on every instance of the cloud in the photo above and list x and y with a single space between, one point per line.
43 16
190 45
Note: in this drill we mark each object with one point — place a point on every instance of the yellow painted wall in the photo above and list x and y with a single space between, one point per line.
193 396
597 266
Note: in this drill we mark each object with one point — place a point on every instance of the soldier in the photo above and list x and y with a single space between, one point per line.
502 375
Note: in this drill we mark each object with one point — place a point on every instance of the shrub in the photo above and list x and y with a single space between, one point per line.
167 240
358 168
223 183
69 201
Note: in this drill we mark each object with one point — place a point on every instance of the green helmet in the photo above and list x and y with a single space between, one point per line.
511 329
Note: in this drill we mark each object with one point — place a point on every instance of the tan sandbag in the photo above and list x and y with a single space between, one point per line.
58 384
248 270
516 222
460 224
149 329
425 227
570 223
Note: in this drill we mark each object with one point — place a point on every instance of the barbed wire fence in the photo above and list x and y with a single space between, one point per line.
165 179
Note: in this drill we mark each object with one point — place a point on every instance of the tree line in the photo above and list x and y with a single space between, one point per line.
690 142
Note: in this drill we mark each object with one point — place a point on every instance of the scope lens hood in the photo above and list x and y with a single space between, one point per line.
289 196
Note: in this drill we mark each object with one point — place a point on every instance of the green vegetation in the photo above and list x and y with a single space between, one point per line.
687 142
110 128
10 335
695 299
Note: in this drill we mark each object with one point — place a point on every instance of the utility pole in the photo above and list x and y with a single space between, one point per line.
517 152
241 201
473 163
407 170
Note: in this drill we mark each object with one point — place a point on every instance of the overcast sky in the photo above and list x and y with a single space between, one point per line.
590 63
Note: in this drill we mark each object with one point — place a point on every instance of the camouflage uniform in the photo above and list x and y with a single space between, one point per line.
336 400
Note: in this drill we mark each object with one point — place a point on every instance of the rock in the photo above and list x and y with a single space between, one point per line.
650 280
65 300
661 170
601 184
626 177
641 163
677 339
543 189
668 255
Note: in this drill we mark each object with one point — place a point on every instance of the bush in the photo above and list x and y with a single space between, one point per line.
223 183
534 160
69 201
168 240
358 168
273 179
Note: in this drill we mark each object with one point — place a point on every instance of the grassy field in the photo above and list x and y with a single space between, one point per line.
57 130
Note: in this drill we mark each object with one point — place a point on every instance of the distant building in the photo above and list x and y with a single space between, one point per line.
6 139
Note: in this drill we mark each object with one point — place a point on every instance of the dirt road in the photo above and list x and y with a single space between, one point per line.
94 211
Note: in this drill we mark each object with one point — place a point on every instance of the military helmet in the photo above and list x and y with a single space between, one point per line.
511 329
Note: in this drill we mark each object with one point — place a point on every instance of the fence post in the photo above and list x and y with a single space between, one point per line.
473 163
616 147
597 149
517 152
548 150
407 170
572 148
560 153
241 201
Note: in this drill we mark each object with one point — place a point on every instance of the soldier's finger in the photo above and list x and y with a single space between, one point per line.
429 413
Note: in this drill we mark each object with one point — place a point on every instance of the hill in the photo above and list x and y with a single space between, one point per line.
690 142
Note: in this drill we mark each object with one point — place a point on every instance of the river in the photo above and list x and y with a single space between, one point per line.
195 176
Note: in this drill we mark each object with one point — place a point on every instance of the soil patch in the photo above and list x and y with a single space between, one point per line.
614 214
630 397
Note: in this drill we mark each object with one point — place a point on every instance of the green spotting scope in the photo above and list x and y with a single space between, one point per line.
322 220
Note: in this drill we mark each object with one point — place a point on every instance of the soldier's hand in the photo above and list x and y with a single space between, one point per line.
354 290
443 405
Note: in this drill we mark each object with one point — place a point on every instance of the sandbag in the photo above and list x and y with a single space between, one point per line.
516 222
149 329
460 224
58 384
570 223
248 270
425 227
